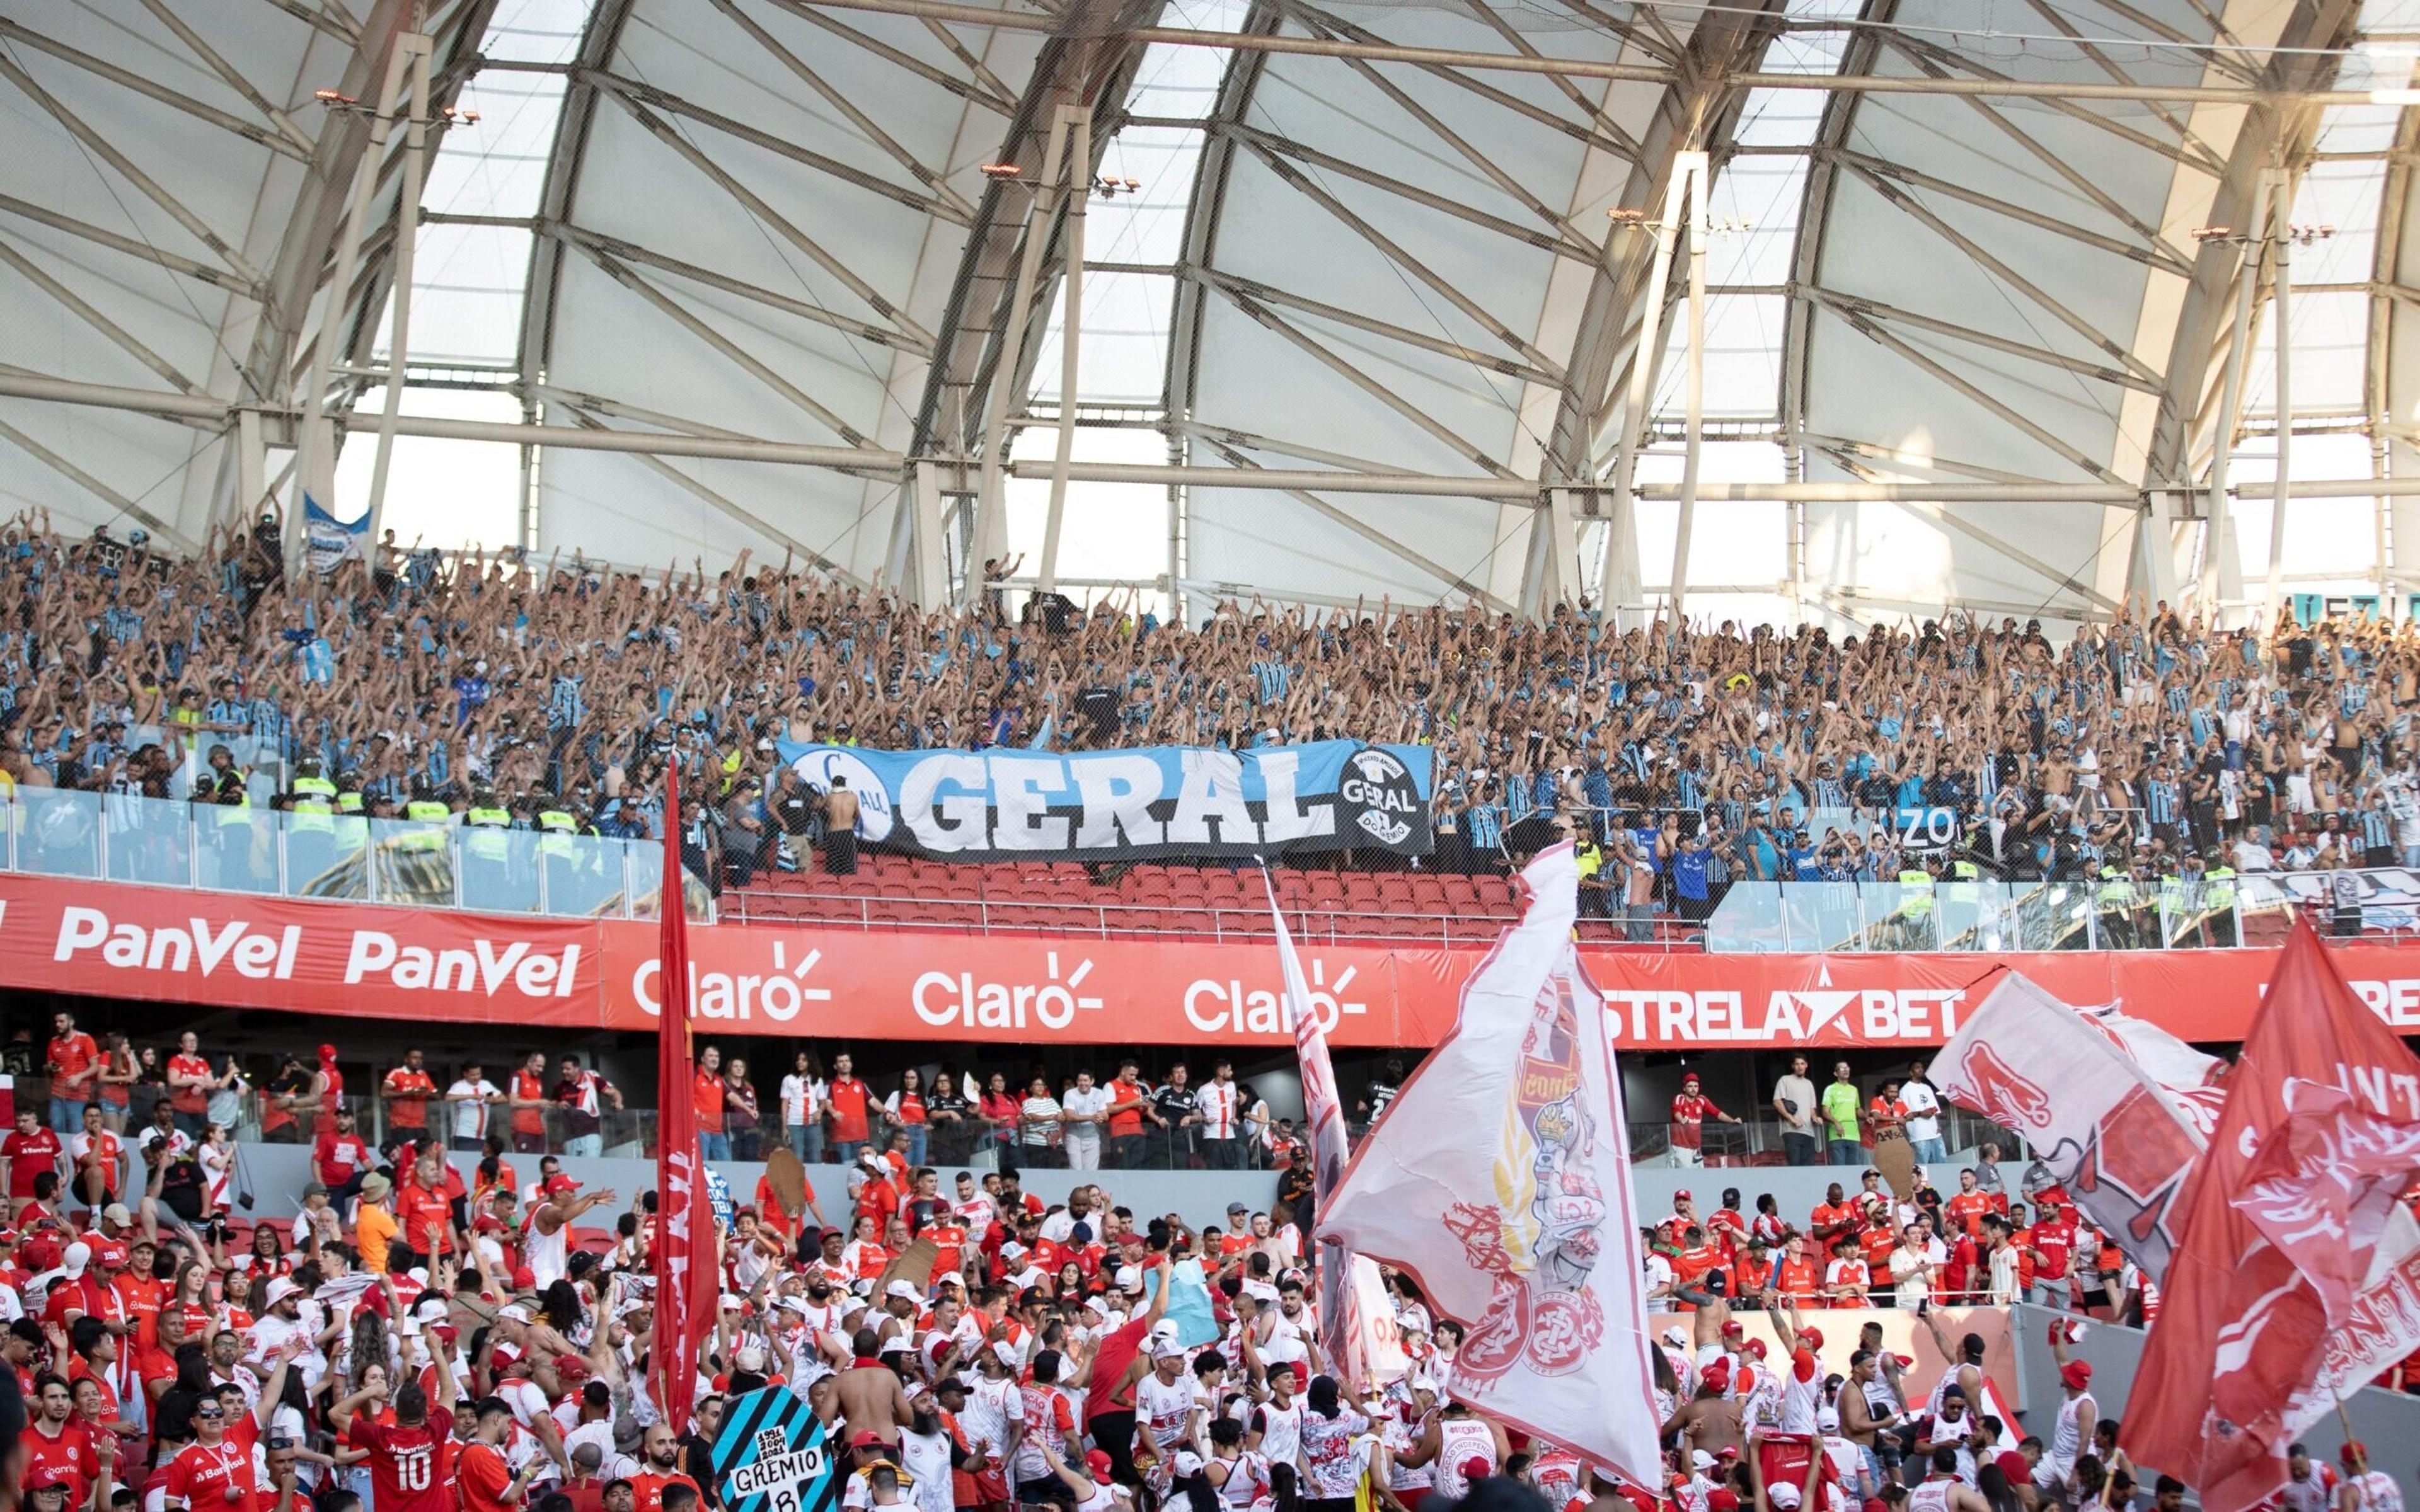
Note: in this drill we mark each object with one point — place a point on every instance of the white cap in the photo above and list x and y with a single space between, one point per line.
750 1358
512 1310
903 1289
1187 1463
1007 1353
1783 1495
730 1303
78 1255
280 1288
1165 1331
1828 1419
1129 1278
1699 1460
897 1344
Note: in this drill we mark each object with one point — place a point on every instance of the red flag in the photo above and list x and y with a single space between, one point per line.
2245 1357
2326 1185
686 1269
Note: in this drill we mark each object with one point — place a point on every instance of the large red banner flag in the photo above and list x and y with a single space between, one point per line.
685 1267
2248 1351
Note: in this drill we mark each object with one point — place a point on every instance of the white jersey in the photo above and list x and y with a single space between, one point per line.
1932 1496
2378 1492
1247 1481
991 1406
2067 1442
547 1256
1281 1430
1801 1399
1460 1440
1163 1408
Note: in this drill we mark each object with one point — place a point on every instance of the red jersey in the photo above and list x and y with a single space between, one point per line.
337 1157
1798 1280
1689 1114
188 1098
70 1452
648 1489
480 1476
849 1100
1967 1210
202 1473
949 1238
1830 1220
29 1155
71 1060
529 1089
409 1111
141 1296
406 1463
416 1209
706 1092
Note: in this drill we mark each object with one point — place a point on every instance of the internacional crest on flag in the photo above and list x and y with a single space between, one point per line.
1500 1180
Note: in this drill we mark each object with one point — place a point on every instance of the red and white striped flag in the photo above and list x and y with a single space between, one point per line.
686 1274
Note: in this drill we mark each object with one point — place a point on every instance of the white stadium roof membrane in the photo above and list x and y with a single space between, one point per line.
1971 281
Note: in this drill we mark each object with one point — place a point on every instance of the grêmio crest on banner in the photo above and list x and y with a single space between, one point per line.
773 1454
1007 803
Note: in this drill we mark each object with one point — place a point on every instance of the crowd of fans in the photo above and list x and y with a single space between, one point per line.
547 694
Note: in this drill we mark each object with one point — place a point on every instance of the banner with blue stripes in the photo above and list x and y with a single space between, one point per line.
772 1456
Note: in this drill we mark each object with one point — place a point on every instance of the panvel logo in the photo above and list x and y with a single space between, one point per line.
1381 787
1841 1016
943 999
197 947
1230 1008
481 968
776 993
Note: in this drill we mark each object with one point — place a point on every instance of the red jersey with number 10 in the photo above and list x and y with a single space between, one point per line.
407 1464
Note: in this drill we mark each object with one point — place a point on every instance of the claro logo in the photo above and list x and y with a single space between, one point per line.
197 947
945 999
1230 1008
777 993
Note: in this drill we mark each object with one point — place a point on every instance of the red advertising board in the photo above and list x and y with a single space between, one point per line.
224 950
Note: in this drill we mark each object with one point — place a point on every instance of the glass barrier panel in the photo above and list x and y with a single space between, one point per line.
499 870
2266 907
579 877
1822 915
1900 918
237 847
2053 916
1972 916
59 833
411 863
326 854
150 841
1748 920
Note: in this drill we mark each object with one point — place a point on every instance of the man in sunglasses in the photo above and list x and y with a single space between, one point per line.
217 1472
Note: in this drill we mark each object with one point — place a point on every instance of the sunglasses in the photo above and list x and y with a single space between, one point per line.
208 1412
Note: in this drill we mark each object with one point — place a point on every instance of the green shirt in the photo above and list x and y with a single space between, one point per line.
1840 1104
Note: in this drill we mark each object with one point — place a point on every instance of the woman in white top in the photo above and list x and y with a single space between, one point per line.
1038 1125
802 1109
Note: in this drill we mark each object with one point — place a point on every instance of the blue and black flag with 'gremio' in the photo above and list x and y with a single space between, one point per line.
772 1456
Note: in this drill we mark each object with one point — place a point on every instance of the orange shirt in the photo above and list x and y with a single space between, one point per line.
529 1089
142 1297
1829 1216
648 1489
708 1096
1800 1280
481 1474
409 1112
1967 1210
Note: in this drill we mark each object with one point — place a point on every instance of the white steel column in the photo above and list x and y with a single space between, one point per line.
1692 164
1619 575
927 575
407 236
2217 541
315 459
2281 313
1071 283
251 463
991 509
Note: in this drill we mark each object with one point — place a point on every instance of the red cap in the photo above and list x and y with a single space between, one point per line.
39 1476
1733 1326
108 1253
524 1279
1682 1196
1096 1464
864 1439
1811 1336
1476 1468
560 1182
2353 1449
1718 1375
1755 1347
2076 1373
572 1366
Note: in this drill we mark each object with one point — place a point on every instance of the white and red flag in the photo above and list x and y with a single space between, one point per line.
2115 1110
1499 1182
2291 1285
1344 1333
688 1274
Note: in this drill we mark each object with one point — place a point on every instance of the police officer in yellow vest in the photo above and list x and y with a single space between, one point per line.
2218 903
1961 906
1915 908
310 805
2114 901
1595 897
486 854
565 861
227 833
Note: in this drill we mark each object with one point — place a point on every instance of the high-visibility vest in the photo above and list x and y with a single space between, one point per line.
2218 888
352 823
485 842
1591 860
1919 904
2116 889
314 801
238 812
427 816
558 830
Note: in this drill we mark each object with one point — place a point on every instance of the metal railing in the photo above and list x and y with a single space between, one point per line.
67 832
2251 909
1757 1141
